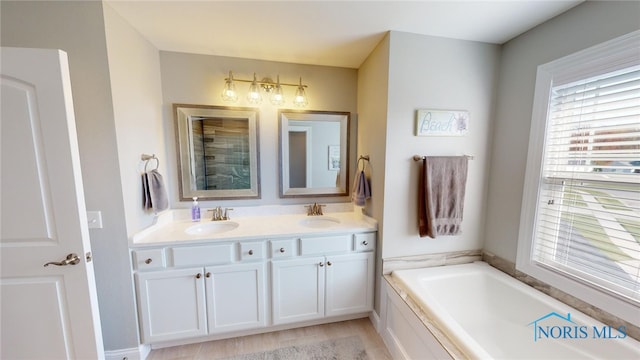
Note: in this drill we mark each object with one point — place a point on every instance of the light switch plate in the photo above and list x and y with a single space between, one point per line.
94 218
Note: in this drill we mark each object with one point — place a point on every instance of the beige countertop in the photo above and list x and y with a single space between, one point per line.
170 227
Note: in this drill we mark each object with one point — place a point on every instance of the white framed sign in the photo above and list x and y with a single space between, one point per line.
441 122
334 157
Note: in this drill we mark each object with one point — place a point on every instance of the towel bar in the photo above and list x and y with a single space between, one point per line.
420 157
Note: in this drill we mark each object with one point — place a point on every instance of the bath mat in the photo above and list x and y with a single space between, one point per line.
349 348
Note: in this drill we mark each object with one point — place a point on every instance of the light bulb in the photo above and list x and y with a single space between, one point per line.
254 96
300 99
276 97
229 91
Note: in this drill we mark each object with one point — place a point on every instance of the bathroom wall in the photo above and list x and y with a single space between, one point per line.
199 79
428 72
586 25
79 29
134 69
373 82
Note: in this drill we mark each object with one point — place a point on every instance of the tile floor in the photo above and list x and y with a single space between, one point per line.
264 342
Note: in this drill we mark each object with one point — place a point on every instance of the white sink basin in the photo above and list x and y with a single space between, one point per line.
211 228
320 222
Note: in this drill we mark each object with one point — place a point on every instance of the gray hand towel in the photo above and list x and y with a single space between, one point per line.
158 192
361 189
146 195
441 195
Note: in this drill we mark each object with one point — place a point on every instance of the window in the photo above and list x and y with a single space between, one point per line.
580 225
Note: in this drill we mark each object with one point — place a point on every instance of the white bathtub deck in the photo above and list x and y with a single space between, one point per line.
488 314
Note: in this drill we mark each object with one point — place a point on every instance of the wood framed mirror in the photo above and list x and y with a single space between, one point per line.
314 153
218 156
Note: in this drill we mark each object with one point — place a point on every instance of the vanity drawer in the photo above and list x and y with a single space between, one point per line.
325 244
283 248
202 255
148 259
252 250
364 242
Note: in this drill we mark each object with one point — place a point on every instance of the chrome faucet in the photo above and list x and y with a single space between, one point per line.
219 215
314 210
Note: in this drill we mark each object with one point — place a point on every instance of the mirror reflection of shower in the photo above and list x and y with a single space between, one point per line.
221 153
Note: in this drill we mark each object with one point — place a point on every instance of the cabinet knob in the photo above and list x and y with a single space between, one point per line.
148 261
281 250
250 252
328 263
365 243
198 276
208 274
321 264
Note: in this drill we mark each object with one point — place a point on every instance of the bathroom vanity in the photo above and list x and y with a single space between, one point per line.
215 279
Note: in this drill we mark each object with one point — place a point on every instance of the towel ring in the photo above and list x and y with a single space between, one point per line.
147 158
364 163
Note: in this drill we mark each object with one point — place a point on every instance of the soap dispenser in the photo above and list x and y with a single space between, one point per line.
195 210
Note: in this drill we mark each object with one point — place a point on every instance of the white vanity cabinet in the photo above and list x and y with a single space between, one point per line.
196 301
213 288
311 287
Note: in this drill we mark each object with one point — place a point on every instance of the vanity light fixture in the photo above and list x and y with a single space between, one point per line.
254 96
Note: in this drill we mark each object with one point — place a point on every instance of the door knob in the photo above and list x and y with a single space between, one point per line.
72 259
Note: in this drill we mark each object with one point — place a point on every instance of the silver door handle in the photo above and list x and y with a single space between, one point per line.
72 259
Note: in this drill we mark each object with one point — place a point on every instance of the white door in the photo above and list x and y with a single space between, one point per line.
298 290
235 297
350 280
172 304
47 312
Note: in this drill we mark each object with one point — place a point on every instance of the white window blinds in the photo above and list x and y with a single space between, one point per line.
587 222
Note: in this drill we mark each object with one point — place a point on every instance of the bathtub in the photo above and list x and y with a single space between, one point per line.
485 314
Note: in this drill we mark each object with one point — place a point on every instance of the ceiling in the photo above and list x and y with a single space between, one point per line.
329 33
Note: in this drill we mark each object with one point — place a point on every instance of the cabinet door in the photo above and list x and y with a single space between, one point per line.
298 290
171 304
235 297
350 281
